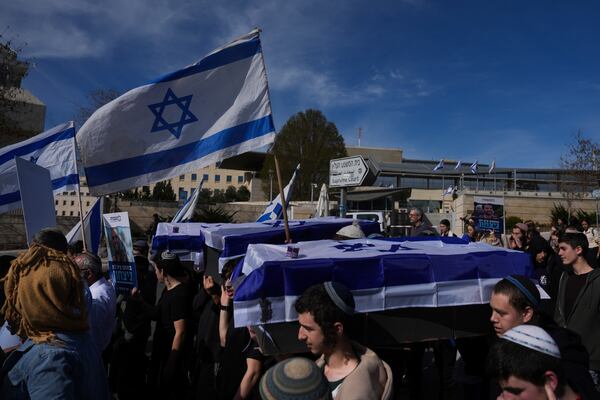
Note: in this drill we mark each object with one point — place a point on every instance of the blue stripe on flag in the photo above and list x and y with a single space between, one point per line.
31 147
147 163
223 57
72 179
9 198
95 227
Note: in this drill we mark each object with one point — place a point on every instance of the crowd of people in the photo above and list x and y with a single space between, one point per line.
173 336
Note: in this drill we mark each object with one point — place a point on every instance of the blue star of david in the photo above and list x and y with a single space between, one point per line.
175 128
33 159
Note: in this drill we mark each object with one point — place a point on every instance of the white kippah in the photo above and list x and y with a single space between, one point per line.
351 231
533 337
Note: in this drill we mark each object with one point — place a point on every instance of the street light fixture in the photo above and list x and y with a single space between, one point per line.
312 187
271 180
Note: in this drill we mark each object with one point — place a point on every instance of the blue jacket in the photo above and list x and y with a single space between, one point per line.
69 369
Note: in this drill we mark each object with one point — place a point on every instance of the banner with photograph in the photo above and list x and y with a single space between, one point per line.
121 264
489 214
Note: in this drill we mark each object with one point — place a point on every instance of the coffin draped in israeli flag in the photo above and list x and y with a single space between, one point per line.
232 240
382 274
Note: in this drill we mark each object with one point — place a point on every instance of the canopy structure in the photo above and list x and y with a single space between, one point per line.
382 274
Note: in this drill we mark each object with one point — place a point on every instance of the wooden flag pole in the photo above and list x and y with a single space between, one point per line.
283 203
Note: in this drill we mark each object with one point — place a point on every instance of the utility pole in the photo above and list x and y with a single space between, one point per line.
360 132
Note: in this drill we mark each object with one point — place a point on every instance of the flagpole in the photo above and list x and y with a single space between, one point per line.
283 202
81 218
280 183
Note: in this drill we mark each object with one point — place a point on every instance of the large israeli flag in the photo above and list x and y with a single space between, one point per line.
92 228
274 209
53 150
214 109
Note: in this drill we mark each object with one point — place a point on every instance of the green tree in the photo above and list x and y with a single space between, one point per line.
163 191
308 139
218 196
230 193
204 197
210 214
243 194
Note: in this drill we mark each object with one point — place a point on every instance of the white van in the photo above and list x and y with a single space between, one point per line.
376 216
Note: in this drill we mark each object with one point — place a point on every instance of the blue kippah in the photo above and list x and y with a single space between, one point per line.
526 292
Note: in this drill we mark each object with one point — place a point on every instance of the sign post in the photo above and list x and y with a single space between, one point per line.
596 195
347 172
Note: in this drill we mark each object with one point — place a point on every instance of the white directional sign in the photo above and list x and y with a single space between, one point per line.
348 171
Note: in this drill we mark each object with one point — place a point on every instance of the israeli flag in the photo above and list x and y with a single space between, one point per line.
382 274
449 191
275 208
53 150
492 167
186 212
216 108
92 227
473 167
440 165
458 164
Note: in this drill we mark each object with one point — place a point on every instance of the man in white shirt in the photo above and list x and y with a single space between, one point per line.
102 315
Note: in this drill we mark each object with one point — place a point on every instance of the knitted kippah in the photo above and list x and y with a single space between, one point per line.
294 379
341 296
533 337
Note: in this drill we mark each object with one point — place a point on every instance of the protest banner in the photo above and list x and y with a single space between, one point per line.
121 264
489 214
35 187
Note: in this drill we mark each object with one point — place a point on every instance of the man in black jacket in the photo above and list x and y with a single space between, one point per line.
578 300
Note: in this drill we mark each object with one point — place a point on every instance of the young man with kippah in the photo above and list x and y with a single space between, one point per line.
578 300
527 364
353 371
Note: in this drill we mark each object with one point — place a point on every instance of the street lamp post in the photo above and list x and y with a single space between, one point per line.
271 180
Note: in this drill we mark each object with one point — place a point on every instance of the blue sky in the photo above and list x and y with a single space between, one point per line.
510 80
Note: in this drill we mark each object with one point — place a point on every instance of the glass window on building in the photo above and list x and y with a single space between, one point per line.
87 203
64 202
240 179
63 213
194 177
385 181
217 178
228 178
413 182
181 177
71 213
182 194
56 202
205 177
72 202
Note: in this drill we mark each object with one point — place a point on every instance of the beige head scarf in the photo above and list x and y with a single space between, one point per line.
44 294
